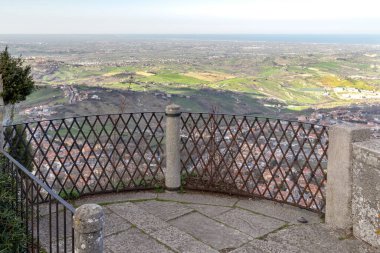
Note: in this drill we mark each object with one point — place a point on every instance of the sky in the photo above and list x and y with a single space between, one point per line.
189 16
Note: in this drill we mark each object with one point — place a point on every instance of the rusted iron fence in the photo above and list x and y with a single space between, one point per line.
274 159
45 216
92 154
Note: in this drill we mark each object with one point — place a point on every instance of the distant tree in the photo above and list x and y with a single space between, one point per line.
131 79
123 103
17 80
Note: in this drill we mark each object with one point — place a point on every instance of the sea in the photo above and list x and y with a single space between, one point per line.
283 38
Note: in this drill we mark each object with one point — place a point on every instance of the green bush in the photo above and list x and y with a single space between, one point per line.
69 194
19 148
12 230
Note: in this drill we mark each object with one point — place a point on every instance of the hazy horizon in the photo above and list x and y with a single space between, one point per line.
185 34
281 38
190 17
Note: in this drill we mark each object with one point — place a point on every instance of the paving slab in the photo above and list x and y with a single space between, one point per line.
44 209
211 232
316 238
61 246
134 241
135 215
115 197
209 210
263 246
207 224
106 210
199 198
45 230
163 209
254 225
107 250
181 241
115 224
277 210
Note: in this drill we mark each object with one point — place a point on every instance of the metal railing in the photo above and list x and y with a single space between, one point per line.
285 161
46 217
92 154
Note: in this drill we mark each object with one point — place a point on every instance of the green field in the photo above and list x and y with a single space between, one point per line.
298 87
235 77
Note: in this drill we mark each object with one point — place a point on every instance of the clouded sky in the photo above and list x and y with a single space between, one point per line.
190 16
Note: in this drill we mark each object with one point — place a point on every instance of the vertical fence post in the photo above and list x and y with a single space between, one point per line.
88 229
173 163
2 111
339 173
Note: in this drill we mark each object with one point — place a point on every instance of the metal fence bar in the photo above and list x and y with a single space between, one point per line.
33 205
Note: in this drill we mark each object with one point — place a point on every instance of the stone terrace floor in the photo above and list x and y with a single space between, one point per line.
206 222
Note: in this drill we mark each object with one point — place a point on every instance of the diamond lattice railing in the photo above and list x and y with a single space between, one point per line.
275 159
84 155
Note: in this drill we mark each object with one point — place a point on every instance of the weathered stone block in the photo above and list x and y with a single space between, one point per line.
115 224
88 226
134 241
181 241
143 220
164 210
366 191
339 173
211 232
278 210
199 198
247 222
314 238
209 210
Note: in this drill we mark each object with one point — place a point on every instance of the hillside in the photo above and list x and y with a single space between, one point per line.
234 77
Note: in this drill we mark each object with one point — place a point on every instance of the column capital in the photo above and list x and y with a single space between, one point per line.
173 110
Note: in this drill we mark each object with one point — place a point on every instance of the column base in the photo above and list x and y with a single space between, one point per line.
172 188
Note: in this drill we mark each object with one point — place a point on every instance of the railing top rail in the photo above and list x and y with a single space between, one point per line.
39 182
259 117
219 114
82 116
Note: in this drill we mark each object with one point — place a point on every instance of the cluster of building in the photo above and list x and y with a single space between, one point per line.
166 96
89 164
276 159
40 112
354 93
356 116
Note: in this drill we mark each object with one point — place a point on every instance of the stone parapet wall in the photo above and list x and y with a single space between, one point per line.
339 173
366 191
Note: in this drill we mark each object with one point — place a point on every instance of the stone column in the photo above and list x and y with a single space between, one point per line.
173 163
339 174
88 228
2 111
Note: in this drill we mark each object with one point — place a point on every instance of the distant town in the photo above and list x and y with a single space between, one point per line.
310 82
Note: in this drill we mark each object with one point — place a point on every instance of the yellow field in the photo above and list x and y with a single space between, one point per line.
112 73
143 73
210 77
